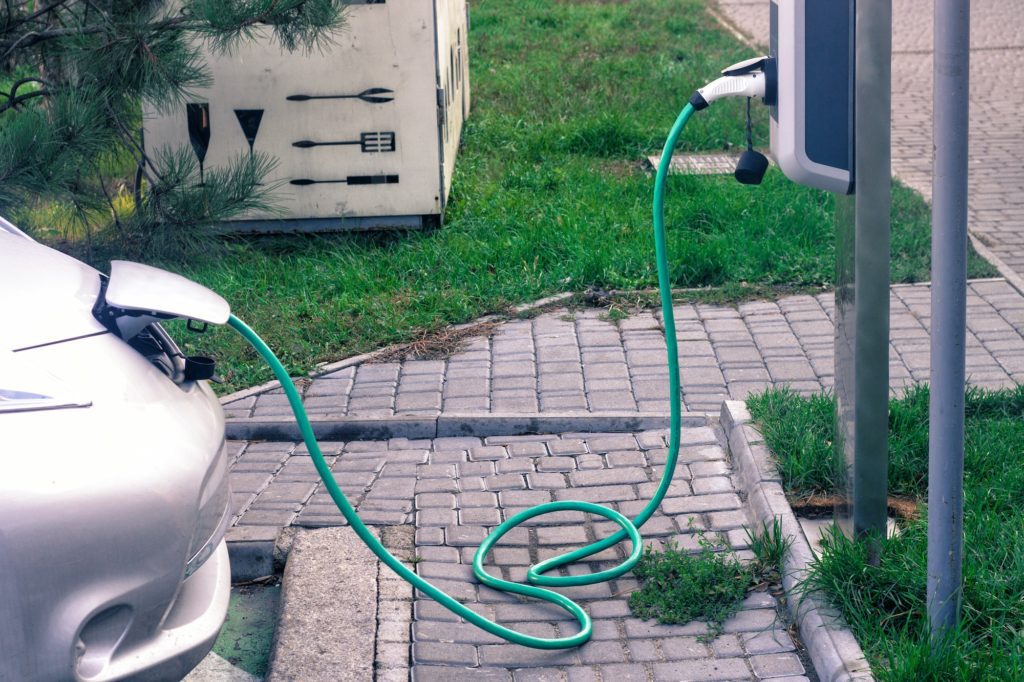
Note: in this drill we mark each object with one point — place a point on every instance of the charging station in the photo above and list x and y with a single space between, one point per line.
811 45
829 69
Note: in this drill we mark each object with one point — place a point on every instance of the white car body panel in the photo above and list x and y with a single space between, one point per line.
101 505
45 296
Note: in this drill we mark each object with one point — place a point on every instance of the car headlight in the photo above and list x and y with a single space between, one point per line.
214 514
26 387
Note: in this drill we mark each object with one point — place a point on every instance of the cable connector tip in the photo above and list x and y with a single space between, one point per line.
745 85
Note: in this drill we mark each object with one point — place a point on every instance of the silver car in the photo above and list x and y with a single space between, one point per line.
114 492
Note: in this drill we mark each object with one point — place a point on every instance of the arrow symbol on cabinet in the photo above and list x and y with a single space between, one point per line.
371 95
368 142
250 120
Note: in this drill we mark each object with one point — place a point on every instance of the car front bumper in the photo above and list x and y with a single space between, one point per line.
188 633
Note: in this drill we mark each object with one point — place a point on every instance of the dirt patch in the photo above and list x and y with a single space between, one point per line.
818 506
436 345
620 169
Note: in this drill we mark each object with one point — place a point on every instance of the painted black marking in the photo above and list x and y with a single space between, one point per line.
351 180
198 114
371 95
368 142
250 120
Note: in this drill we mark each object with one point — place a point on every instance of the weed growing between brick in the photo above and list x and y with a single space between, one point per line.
885 605
679 587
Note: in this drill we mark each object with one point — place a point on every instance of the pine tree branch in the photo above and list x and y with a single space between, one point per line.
14 99
12 102
32 17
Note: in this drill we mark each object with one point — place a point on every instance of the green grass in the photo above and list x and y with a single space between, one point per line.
678 587
549 195
885 605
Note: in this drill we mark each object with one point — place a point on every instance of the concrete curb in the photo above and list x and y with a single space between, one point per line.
251 551
834 651
479 424
327 625
1014 280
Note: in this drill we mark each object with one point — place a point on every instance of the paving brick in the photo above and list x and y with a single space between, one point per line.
515 656
624 672
563 402
602 652
701 670
488 453
523 498
456 443
505 482
681 648
281 517
436 485
477 499
448 652
548 481
295 492
480 516
727 646
711 484
444 500
589 462
607 444
637 628
556 464
768 642
515 466
485 468
607 477
530 449
701 503
751 621
567 446
464 536
601 494
569 535
727 520
776 665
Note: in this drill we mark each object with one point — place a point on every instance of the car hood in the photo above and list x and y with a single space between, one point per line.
45 296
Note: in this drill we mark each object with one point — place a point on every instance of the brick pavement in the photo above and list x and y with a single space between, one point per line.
996 174
566 361
453 490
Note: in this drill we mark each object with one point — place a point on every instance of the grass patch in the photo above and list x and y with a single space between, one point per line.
679 587
549 195
885 605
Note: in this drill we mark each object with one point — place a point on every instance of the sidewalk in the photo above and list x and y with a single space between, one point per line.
996 175
454 490
565 362
447 493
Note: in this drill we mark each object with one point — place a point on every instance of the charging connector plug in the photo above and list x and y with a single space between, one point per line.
745 85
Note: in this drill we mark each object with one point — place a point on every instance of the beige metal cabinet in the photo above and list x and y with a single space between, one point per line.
365 133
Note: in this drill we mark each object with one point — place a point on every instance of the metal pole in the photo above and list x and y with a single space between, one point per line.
949 313
872 115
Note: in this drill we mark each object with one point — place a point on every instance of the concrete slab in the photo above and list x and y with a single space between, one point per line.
328 619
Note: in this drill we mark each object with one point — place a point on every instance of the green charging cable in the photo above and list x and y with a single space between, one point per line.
536 574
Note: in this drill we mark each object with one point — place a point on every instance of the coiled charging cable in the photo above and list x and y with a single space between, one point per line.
537 575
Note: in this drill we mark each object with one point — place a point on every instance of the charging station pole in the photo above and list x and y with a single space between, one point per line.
862 291
949 315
